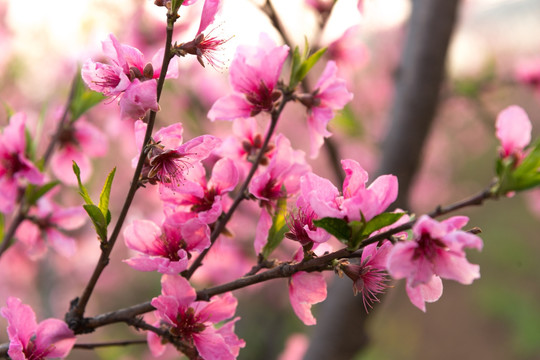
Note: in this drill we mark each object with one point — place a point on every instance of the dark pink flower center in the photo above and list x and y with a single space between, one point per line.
188 323
168 167
13 164
205 203
428 247
297 223
31 352
169 247
263 98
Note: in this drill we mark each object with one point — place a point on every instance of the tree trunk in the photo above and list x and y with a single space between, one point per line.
341 332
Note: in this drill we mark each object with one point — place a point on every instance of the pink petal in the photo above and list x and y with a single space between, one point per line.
224 176
196 235
219 309
230 107
157 348
261 233
21 321
138 99
141 236
317 121
62 165
355 179
400 261
63 244
54 332
91 139
210 9
306 289
159 264
513 129
178 288
456 267
422 293
211 345
170 136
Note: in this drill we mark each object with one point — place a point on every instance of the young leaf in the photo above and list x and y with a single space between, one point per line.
278 229
105 194
380 221
308 64
83 99
337 227
82 188
98 220
1 227
34 193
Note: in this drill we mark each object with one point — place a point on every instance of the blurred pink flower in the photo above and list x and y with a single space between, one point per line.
15 167
514 131
47 223
193 321
78 142
165 249
51 338
331 94
436 250
306 289
326 201
254 74
295 347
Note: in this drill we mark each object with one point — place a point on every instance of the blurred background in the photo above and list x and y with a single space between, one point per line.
492 62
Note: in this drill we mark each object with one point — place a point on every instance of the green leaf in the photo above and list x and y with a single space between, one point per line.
278 229
296 62
337 227
9 110
82 190
34 193
525 176
83 99
308 64
105 194
98 220
2 226
380 221
347 121
301 64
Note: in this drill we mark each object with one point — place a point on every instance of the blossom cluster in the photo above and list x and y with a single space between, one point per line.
201 182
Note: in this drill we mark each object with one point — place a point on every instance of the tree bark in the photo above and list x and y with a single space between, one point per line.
341 331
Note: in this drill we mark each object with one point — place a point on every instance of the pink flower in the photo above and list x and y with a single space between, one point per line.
283 172
302 229
422 293
204 46
47 223
331 94
245 145
436 250
165 249
51 338
127 75
201 198
78 142
168 158
370 277
306 289
326 201
514 131
254 74
349 51
192 322
15 167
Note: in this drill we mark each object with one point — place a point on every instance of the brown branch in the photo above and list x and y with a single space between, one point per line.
74 317
92 346
222 222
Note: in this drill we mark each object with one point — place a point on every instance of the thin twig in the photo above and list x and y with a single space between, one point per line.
75 314
91 346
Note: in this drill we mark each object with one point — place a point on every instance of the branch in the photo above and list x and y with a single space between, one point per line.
278 269
78 306
92 346
23 209
222 222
